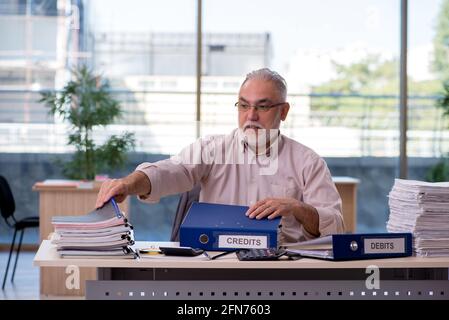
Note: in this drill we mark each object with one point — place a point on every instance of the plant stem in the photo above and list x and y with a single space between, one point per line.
89 171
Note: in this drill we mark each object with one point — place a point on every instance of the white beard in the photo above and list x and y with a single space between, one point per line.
260 140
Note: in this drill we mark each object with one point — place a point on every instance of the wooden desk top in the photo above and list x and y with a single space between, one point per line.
67 185
48 257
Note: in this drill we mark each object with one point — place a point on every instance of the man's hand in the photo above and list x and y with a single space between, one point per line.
275 207
136 183
272 208
111 188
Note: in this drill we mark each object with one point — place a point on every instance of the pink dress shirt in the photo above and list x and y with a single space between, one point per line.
229 172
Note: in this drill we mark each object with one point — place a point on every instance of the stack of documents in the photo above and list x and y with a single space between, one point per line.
102 233
421 208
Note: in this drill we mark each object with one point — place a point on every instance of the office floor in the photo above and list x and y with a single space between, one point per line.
26 280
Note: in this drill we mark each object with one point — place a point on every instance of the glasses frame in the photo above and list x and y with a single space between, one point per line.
258 108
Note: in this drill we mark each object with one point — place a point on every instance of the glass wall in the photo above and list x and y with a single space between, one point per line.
428 69
327 51
340 60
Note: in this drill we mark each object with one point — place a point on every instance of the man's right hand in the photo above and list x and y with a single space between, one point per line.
116 188
136 183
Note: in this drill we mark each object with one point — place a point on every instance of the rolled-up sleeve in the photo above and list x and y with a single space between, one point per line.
174 175
321 193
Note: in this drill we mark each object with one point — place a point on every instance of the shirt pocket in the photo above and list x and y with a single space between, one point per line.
282 191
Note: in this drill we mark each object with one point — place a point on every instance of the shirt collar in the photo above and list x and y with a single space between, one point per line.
264 148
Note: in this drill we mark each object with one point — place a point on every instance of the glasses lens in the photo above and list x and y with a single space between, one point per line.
242 106
263 108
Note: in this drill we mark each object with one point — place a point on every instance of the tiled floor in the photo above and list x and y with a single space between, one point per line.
26 280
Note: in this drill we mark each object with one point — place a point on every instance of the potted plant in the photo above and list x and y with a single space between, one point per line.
440 171
86 103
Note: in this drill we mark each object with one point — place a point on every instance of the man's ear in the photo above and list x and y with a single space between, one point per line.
284 111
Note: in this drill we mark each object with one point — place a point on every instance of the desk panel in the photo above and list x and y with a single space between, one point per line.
265 290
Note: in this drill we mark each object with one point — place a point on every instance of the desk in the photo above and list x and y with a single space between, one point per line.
227 278
347 188
64 200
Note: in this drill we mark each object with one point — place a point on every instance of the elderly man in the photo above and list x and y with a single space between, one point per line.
254 166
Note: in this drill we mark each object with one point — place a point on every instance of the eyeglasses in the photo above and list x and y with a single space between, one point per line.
263 108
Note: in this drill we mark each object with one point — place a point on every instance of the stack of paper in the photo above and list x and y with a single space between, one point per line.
423 209
102 233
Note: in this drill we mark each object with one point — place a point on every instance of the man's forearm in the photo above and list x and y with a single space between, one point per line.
137 183
309 218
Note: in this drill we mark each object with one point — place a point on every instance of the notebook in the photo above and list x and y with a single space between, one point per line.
102 233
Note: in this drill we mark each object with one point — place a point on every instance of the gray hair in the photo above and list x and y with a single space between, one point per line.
269 75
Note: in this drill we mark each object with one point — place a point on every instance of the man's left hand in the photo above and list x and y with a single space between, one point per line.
272 208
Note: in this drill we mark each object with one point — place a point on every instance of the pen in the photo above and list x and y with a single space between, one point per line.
116 208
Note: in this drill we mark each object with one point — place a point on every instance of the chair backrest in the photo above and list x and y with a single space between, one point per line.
7 204
186 200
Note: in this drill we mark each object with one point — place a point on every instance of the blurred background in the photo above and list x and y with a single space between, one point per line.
340 60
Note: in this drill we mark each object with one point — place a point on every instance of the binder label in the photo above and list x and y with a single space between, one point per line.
241 241
384 245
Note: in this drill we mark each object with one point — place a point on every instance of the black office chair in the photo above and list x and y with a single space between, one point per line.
7 208
186 200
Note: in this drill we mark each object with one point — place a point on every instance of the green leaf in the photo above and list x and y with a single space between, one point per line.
439 172
86 102
112 154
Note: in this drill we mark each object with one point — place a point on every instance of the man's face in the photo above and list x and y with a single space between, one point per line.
257 92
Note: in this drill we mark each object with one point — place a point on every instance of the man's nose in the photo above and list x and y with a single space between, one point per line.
252 114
